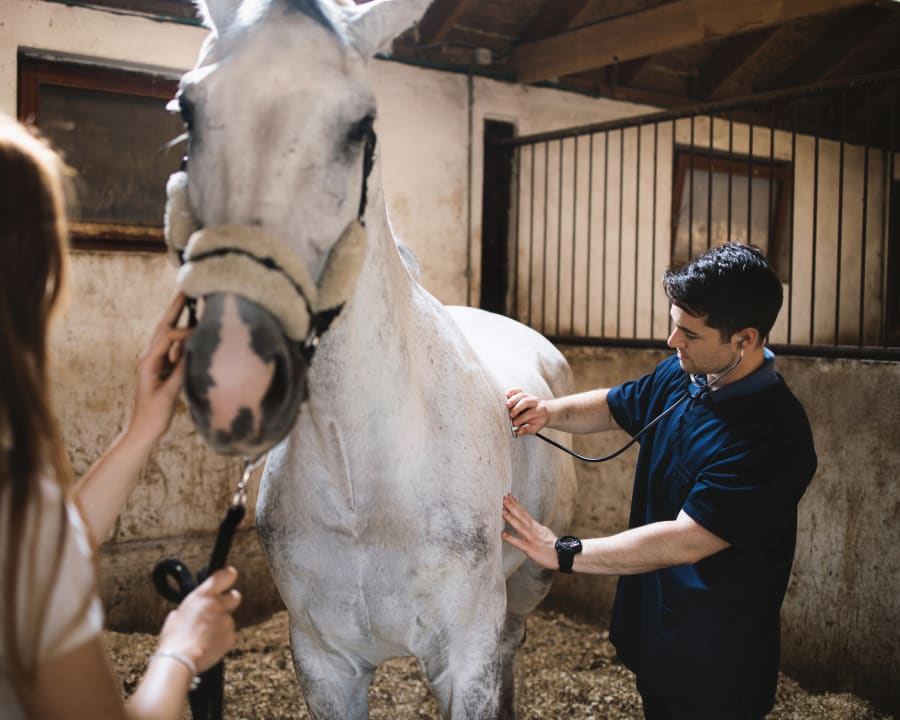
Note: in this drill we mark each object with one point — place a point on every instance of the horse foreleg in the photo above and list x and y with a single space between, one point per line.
466 685
334 685
524 590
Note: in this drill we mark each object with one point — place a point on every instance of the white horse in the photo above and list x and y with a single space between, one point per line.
380 506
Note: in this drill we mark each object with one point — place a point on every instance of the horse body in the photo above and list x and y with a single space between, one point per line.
380 510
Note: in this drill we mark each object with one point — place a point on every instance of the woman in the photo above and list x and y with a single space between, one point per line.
53 662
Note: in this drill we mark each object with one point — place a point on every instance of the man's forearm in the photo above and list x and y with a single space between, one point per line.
586 412
650 547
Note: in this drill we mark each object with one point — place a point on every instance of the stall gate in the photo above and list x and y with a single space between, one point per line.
588 218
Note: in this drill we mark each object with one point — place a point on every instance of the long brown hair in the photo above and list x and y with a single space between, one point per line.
33 266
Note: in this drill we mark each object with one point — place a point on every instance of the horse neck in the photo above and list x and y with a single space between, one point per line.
374 331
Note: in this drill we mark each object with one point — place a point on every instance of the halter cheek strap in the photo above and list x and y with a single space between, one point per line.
250 261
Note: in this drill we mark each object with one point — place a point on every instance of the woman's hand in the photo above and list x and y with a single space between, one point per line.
202 627
528 414
160 373
535 540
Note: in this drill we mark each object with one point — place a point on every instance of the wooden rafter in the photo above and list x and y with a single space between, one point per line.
840 39
555 17
626 73
440 18
661 29
868 51
728 60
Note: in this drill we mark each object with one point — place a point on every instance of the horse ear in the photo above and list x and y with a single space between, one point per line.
376 23
218 14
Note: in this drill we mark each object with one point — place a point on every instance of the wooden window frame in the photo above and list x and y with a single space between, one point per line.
176 10
35 72
711 162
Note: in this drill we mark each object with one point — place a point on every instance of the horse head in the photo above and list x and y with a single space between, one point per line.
266 219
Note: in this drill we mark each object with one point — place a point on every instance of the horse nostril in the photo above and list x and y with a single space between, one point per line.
286 392
278 387
244 379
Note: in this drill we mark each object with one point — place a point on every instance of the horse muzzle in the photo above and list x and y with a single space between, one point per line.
245 379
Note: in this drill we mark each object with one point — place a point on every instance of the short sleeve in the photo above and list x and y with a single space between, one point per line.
73 615
632 403
748 496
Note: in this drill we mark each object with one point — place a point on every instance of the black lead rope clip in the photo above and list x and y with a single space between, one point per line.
175 582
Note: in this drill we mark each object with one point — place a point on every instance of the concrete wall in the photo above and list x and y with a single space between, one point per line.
841 612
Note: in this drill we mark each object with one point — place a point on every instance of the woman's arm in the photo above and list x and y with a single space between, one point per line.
102 491
81 684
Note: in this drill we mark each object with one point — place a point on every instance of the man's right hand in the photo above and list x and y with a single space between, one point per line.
527 413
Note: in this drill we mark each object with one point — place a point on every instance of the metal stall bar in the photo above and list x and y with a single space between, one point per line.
637 229
840 223
574 234
531 240
690 227
730 202
790 316
590 217
750 182
888 285
815 233
518 196
559 216
864 241
653 233
709 186
621 214
544 262
605 203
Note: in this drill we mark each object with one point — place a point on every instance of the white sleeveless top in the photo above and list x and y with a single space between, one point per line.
74 614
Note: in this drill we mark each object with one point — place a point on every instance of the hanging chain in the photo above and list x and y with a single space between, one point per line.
240 492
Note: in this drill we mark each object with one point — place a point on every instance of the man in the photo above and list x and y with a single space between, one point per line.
706 561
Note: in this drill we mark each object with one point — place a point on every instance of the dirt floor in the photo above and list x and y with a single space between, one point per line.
565 670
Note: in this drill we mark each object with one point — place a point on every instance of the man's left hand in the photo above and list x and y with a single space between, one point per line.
532 538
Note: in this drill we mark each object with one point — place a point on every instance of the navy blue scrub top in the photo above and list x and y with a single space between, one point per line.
737 461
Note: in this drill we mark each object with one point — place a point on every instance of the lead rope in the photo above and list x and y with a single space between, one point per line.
206 697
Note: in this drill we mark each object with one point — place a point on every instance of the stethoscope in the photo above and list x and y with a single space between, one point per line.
694 390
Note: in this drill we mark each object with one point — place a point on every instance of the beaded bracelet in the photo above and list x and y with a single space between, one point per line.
184 660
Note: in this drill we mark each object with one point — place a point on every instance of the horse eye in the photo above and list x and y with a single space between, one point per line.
361 129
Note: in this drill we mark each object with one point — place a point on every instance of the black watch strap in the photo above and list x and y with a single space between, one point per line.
567 547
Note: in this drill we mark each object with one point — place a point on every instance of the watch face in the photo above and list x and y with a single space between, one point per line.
569 543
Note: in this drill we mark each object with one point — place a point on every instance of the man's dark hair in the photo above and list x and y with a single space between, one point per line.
732 286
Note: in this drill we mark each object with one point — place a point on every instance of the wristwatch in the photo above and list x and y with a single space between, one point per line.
567 547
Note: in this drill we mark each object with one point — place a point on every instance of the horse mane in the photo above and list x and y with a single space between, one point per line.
410 260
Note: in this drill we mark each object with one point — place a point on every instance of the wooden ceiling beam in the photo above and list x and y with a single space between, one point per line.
659 30
868 51
626 73
837 42
440 18
555 16
728 59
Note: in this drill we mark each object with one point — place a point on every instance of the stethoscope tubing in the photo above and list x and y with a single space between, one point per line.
706 389
634 439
